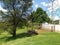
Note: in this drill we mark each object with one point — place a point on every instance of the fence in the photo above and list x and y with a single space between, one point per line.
55 27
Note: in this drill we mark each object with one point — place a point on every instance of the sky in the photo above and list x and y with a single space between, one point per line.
38 3
45 5
1 7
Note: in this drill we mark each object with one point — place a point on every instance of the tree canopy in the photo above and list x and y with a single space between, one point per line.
40 16
17 11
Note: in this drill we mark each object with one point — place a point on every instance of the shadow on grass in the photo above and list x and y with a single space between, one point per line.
22 35
18 36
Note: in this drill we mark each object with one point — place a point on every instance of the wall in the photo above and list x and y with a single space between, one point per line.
51 27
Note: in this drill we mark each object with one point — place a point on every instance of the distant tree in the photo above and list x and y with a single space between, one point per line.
56 22
17 10
31 18
40 16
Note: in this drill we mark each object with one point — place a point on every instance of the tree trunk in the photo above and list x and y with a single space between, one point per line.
14 31
40 25
32 26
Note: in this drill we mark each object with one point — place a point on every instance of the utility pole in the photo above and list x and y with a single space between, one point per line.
52 15
52 27
53 12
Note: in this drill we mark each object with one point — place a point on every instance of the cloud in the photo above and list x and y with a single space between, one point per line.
36 5
1 9
50 8
33 1
54 17
44 4
56 5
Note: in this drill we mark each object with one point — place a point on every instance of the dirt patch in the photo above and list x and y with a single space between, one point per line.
42 31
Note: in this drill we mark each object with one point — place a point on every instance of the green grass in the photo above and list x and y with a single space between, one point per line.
49 38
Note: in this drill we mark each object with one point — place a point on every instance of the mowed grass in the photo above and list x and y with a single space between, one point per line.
48 38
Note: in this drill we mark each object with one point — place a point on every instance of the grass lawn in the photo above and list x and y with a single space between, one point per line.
48 38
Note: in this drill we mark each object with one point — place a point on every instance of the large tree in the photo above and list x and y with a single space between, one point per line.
17 11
